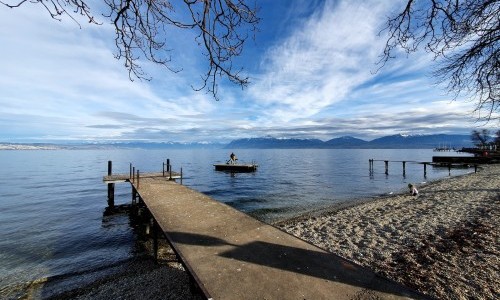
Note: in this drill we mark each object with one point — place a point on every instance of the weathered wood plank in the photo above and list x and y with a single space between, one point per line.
234 256
126 177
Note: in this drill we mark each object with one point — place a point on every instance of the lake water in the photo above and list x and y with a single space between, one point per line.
52 202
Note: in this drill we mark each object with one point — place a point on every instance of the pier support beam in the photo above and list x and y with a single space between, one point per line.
134 196
386 167
137 179
111 187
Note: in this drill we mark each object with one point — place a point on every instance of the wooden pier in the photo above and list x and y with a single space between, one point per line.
134 176
230 255
436 163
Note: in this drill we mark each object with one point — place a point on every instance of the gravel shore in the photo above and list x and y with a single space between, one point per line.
443 242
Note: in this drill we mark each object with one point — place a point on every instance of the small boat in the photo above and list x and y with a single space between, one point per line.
236 167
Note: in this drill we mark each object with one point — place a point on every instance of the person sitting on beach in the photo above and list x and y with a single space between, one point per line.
413 189
232 159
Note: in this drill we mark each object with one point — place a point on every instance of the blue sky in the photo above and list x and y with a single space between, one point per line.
311 68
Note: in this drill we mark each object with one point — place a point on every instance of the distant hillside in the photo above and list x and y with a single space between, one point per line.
165 145
347 142
268 142
421 141
111 145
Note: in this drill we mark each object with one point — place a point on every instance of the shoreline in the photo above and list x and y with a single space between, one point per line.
351 203
442 243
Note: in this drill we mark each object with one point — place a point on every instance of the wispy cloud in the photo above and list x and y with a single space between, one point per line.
327 68
55 71
320 63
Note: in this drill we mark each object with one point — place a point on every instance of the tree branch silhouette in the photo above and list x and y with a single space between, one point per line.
463 36
141 26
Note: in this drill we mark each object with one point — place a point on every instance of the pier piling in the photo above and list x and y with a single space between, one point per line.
137 179
111 187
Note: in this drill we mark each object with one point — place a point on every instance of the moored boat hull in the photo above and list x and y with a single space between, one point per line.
236 167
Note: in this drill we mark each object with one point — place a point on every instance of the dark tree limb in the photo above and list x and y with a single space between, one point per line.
463 36
141 26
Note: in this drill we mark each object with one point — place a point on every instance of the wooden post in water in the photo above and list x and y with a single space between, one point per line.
425 169
404 168
168 165
111 187
386 167
181 175
134 195
137 179
131 179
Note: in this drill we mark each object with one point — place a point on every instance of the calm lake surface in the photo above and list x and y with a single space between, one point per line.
52 202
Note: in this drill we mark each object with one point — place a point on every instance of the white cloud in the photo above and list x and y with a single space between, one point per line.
56 73
321 62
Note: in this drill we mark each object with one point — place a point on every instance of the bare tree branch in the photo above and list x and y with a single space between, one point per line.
141 28
463 36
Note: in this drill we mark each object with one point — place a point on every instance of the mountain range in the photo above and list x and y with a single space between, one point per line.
398 141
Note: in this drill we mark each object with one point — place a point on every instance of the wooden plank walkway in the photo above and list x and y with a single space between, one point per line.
234 256
115 178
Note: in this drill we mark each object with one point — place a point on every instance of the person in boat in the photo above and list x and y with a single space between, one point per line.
413 189
232 159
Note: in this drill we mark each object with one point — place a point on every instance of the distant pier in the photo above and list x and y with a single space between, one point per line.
436 162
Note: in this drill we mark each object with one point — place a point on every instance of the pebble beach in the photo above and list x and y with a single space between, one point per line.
443 243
